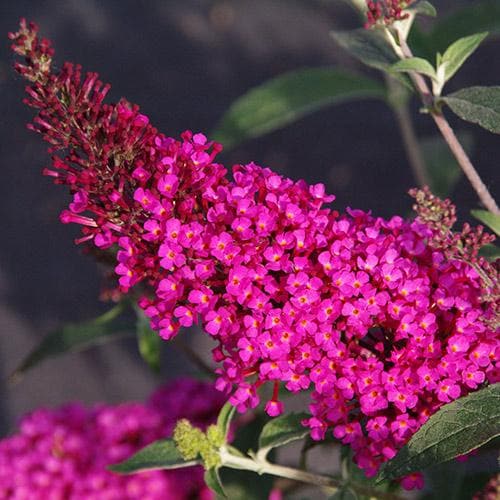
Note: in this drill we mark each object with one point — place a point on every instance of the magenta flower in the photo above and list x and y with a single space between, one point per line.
64 452
292 291
412 481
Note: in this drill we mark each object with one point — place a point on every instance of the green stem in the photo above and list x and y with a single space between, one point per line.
262 466
399 106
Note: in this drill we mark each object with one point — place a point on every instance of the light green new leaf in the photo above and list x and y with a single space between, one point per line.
458 52
456 429
416 64
480 105
226 414
212 480
289 97
488 219
73 338
282 430
161 454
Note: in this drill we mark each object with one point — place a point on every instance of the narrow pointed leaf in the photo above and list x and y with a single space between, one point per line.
282 430
76 337
224 419
212 480
288 98
161 454
416 64
480 105
149 341
458 52
488 219
456 429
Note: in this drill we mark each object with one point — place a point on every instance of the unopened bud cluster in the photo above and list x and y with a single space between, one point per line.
385 11
193 443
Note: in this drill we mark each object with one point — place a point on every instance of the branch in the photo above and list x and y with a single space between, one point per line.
262 466
449 136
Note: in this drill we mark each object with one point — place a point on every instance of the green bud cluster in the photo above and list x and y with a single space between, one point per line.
193 443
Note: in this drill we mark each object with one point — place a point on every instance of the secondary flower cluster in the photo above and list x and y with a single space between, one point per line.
385 11
382 319
63 453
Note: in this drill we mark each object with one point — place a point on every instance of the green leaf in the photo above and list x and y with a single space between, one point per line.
289 97
280 431
212 480
488 219
480 15
149 341
75 337
490 252
442 166
372 48
226 414
458 52
368 46
424 8
161 454
480 105
456 429
416 64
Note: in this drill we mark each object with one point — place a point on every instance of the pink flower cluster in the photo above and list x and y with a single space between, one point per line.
383 325
63 453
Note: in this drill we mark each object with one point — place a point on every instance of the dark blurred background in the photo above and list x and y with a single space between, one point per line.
184 62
